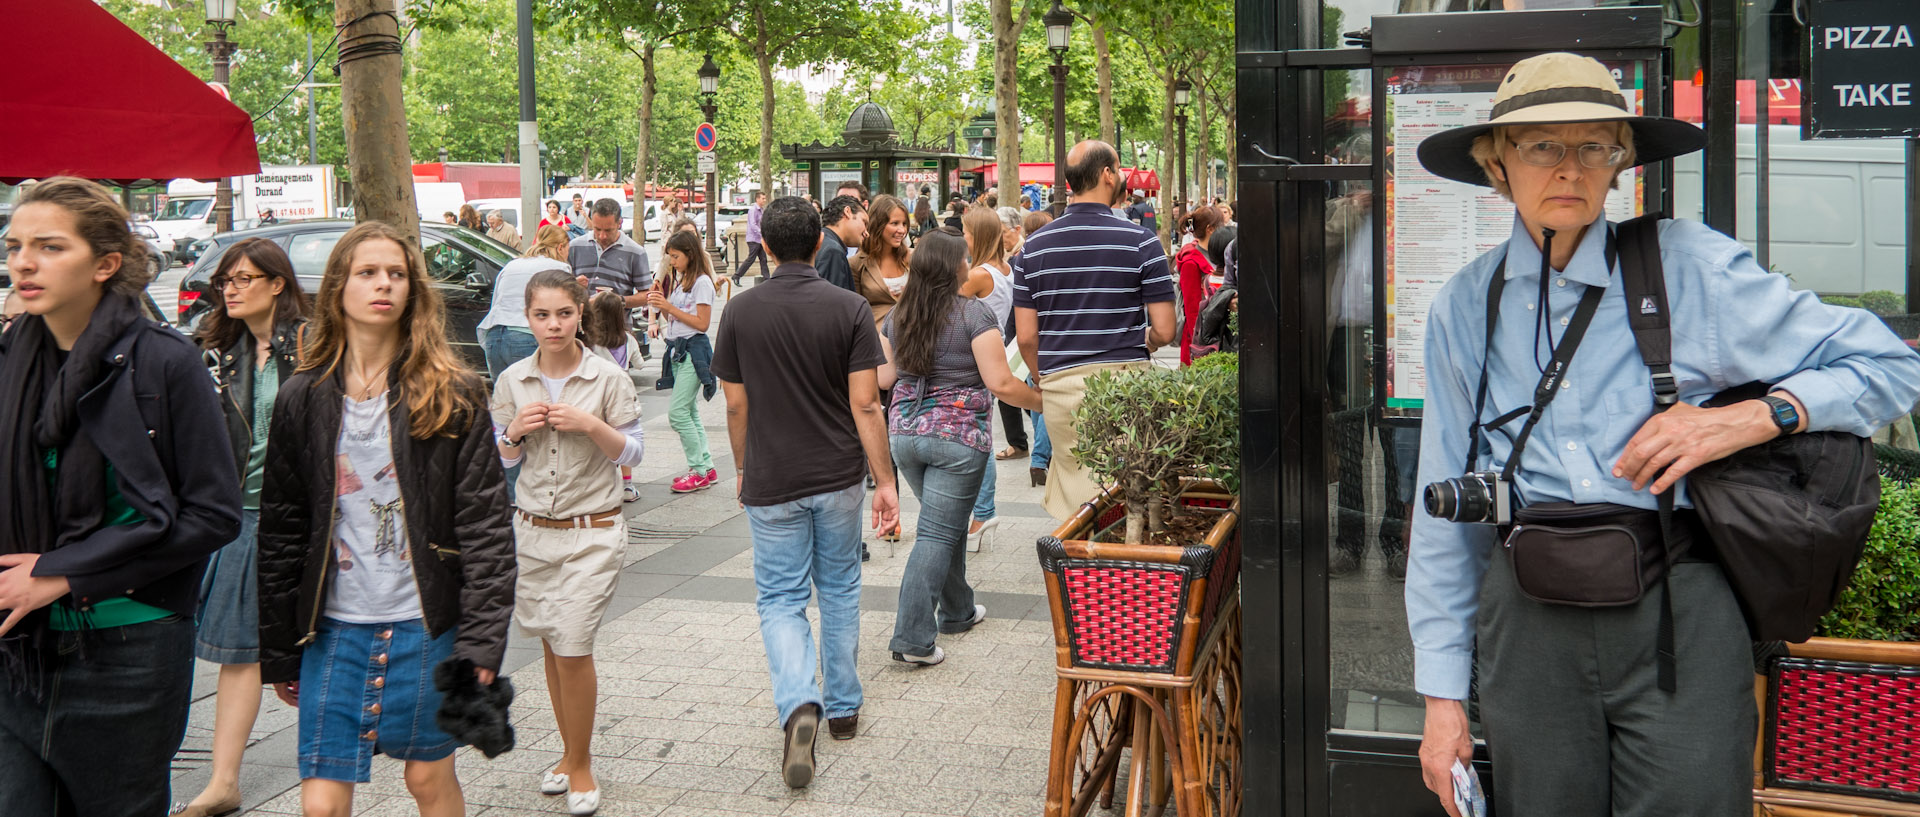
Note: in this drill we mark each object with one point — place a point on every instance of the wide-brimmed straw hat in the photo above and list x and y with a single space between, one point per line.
1556 89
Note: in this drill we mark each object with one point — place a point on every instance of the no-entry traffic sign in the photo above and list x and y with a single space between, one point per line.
704 137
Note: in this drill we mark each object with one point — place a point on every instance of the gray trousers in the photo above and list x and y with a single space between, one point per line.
1575 717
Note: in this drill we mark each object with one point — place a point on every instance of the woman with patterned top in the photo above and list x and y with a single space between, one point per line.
386 554
944 357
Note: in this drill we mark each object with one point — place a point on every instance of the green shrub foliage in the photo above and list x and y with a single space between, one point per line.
1144 430
1883 601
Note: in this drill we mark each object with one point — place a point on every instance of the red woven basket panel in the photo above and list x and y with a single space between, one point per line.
1855 728
1123 615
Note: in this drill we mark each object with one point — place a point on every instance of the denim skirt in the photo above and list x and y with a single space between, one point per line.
228 627
367 688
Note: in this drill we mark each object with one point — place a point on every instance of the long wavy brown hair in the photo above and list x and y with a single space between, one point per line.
878 214
440 390
218 330
927 303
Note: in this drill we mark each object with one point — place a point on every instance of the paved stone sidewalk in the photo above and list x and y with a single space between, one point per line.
686 721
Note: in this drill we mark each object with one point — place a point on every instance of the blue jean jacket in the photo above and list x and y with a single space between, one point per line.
700 349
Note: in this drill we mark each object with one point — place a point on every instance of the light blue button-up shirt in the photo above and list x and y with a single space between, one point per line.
1732 323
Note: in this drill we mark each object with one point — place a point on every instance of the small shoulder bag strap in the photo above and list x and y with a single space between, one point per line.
1645 288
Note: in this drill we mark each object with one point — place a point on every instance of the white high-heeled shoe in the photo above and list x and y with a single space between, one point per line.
583 803
553 783
978 540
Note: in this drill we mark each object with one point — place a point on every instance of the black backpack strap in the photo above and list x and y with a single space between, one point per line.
1646 290
1645 286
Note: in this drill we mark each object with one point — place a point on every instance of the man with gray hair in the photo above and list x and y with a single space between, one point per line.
499 230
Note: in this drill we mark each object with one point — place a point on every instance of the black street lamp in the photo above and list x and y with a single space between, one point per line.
1059 24
709 87
1182 94
220 16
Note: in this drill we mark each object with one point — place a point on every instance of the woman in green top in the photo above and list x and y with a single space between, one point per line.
251 340
115 486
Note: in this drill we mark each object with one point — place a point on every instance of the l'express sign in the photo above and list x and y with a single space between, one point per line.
1864 69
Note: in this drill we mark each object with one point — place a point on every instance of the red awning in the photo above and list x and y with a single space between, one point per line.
126 112
1041 173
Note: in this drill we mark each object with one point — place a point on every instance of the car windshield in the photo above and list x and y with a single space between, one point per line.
180 209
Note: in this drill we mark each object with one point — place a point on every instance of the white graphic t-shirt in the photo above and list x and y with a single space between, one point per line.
373 580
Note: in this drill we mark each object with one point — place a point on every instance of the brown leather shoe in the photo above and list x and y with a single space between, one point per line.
1039 475
844 728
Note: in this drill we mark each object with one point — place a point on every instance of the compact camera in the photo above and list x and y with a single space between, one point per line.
1479 497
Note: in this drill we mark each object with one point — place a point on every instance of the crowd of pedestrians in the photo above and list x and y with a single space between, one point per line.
346 513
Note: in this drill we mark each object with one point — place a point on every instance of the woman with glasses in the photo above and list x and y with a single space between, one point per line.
1644 706
252 341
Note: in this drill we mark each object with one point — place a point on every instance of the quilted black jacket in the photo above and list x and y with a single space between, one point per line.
455 500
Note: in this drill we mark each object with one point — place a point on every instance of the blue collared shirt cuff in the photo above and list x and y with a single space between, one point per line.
1442 674
1831 401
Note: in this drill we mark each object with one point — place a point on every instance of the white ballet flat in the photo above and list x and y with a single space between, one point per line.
583 803
553 783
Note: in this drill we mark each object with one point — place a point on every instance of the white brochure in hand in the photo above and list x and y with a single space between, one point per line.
1468 799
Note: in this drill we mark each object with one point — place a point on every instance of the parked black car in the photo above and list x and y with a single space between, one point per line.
461 262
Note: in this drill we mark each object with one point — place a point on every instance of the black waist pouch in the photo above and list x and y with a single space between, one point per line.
1590 555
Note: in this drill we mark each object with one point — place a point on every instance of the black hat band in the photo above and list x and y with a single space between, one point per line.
1552 95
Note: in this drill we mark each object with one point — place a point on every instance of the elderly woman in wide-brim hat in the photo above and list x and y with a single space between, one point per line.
1575 711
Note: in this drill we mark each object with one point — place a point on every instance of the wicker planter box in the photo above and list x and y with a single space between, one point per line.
1840 730
1147 646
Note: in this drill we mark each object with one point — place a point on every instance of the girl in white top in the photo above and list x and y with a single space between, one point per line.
684 300
575 416
992 282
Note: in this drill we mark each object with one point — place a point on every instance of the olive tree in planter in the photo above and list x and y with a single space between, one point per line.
1144 431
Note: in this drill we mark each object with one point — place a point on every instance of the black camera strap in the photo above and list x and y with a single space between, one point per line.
1550 379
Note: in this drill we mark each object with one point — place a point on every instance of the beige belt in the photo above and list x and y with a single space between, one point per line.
604 519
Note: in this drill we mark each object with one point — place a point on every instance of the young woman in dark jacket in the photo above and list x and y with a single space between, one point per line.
251 340
116 481
385 543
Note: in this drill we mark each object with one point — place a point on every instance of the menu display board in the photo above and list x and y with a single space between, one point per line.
1435 226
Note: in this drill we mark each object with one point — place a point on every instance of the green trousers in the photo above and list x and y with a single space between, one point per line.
685 417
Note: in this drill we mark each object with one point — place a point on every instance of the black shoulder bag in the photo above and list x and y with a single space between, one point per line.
1787 519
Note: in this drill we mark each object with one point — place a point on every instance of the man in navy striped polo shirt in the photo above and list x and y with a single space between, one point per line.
1091 293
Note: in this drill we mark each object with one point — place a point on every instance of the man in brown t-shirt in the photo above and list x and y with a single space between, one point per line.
806 352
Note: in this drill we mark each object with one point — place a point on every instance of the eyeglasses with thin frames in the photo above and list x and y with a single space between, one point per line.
238 282
1550 154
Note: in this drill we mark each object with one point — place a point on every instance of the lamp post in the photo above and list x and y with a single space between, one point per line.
1182 94
220 14
709 88
1059 24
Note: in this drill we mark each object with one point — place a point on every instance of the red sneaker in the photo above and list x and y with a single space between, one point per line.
690 482
713 477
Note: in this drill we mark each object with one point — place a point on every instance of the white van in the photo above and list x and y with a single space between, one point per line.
1837 214
186 217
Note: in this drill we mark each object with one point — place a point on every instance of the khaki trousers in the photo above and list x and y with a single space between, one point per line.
1068 485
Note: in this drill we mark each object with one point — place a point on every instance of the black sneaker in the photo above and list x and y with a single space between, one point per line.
796 764
864 555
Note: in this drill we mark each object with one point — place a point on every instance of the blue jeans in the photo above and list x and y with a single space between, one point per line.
1041 455
810 543
934 594
101 739
505 346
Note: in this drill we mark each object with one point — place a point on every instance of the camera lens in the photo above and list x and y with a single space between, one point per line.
1461 499
1442 499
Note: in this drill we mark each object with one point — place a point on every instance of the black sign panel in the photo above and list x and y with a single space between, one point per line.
1864 74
